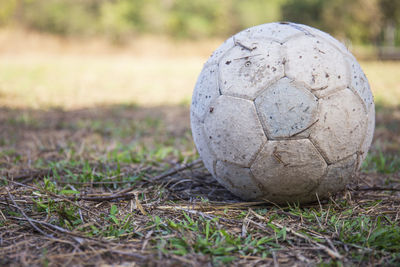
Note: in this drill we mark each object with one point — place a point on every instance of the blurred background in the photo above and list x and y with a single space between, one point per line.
80 53
365 22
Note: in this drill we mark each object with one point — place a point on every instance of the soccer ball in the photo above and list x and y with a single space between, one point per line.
282 112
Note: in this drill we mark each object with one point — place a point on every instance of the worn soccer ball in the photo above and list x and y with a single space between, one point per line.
282 112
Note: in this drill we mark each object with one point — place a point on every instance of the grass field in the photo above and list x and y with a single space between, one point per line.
98 167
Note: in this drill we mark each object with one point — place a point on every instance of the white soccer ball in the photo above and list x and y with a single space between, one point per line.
282 112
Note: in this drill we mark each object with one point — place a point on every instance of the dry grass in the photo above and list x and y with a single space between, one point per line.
120 184
83 188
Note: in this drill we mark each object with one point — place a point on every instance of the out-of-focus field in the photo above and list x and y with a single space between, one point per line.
72 81
41 72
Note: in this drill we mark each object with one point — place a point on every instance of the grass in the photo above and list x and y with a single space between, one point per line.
381 163
120 182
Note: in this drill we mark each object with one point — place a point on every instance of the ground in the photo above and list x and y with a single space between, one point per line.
102 175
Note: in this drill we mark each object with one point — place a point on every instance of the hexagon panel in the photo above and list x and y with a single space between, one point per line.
238 180
247 70
205 91
317 64
286 109
369 134
340 128
359 83
325 36
200 140
234 130
337 177
289 167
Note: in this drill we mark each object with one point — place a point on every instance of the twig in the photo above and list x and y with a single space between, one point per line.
70 199
77 238
101 198
95 183
330 252
175 170
21 184
146 240
139 206
2 215
375 188
30 221
33 175
54 227
161 176
129 253
275 260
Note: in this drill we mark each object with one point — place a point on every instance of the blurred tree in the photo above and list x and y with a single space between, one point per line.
391 20
357 20
360 21
304 11
60 17
391 10
7 10
197 18
253 12
120 18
